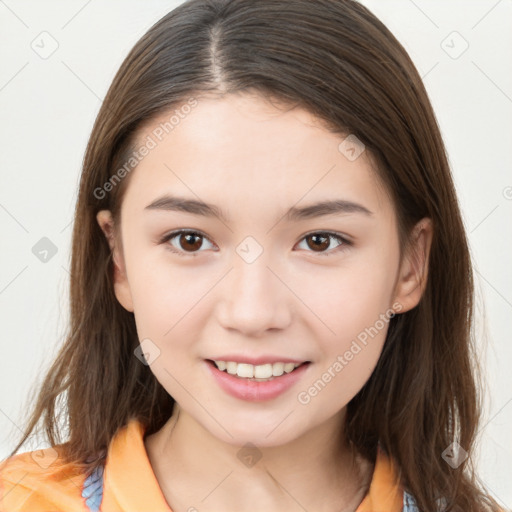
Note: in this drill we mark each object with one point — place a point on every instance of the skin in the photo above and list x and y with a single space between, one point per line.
254 161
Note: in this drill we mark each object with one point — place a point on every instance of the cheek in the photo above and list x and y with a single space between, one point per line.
354 305
350 298
360 321
167 304
164 294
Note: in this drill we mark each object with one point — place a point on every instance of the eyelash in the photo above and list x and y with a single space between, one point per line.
344 243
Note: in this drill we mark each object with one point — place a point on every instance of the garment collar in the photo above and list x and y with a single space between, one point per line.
131 485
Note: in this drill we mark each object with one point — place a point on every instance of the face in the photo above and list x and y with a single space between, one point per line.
260 276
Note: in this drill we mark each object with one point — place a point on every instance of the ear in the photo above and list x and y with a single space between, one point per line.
413 274
121 285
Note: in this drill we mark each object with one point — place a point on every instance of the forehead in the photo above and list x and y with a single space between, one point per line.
243 151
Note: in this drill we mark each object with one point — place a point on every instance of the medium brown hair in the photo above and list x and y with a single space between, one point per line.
335 59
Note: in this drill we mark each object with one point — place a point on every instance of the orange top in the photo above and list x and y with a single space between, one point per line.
31 481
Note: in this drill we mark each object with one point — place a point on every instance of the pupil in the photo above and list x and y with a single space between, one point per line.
320 245
189 236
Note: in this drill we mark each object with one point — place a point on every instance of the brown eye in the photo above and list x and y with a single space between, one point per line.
319 242
183 242
190 241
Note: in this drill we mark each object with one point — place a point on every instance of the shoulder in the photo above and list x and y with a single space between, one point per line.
39 481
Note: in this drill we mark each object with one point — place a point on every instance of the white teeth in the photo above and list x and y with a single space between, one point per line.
221 365
289 367
231 367
277 369
245 370
261 371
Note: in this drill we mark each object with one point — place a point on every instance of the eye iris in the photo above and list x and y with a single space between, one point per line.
324 245
187 237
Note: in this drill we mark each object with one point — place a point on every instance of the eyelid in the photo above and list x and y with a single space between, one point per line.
345 241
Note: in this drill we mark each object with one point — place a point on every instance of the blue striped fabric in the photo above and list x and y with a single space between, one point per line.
409 503
93 490
411 506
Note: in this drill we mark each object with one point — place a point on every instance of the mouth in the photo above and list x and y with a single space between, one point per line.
255 383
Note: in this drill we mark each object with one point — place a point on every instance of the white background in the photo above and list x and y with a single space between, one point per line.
47 110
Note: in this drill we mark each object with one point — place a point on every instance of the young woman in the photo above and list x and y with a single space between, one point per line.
271 290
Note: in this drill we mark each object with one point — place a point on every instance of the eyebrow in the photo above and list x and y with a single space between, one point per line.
196 207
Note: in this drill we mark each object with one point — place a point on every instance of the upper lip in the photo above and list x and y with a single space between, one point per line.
270 359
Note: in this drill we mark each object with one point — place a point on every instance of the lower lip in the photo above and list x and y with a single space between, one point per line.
254 391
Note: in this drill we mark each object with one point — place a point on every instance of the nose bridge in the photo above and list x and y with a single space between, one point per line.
255 299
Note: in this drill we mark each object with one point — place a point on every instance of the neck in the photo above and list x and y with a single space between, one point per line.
317 471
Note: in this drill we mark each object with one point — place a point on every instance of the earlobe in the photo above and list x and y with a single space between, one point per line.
121 285
413 275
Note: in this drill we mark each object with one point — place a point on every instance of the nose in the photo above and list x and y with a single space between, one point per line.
254 299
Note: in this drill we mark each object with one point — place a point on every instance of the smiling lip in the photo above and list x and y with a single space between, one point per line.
254 391
257 360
